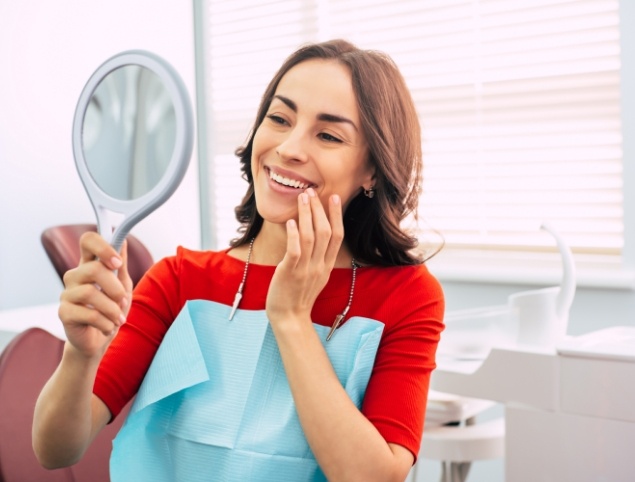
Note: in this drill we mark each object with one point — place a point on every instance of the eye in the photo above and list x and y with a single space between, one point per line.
277 119
328 137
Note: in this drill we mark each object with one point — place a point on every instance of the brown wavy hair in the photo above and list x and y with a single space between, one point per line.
372 227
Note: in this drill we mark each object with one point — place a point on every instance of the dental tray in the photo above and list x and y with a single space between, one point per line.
614 343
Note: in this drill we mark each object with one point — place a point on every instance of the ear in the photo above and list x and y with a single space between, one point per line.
369 181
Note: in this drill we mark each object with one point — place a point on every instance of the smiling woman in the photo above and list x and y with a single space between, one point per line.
310 137
357 121
303 349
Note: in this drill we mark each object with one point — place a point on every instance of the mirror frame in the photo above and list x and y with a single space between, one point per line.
134 210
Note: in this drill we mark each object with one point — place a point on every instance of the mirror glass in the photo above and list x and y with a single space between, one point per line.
132 139
129 132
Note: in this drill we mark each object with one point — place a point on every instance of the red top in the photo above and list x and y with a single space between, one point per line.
407 299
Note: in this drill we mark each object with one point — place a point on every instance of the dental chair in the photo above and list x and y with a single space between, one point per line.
26 363
61 244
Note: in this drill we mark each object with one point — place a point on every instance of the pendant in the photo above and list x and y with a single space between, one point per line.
237 299
338 321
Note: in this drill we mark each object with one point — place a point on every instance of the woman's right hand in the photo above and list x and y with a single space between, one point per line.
96 297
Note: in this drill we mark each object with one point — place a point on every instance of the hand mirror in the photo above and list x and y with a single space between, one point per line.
132 139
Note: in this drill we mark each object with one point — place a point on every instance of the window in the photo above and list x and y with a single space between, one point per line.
519 104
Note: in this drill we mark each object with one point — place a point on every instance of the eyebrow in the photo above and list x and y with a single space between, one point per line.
323 116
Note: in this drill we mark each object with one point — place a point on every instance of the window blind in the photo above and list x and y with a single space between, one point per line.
518 101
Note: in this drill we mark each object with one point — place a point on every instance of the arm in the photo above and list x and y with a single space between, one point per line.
93 306
345 443
67 415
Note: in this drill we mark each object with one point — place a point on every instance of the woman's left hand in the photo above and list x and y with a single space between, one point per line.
312 248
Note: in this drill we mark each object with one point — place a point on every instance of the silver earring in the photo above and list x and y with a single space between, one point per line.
370 192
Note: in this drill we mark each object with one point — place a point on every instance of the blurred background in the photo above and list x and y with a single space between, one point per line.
524 107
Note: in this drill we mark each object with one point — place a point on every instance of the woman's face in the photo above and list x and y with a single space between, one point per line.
311 136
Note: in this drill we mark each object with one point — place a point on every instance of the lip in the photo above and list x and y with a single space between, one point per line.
288 175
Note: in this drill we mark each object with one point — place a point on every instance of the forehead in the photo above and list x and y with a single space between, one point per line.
321 85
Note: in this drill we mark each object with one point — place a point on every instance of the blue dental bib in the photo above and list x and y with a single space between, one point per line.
215 404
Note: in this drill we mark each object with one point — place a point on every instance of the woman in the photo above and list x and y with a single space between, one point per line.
303 351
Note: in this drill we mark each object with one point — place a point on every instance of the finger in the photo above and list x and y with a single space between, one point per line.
294 251
337 229
83 307
103 292
321 227
92 246
305 227
122 273
93 296
95 273
78 315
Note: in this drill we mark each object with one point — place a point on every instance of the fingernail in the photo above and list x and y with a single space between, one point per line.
304 198
336 199
122 319
291 223
116 262
124 302
311 192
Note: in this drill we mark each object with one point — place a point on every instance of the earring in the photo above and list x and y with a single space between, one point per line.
370 192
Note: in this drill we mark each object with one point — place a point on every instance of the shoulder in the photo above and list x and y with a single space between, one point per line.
197 257
187 260
188 270
188 275
402 296
403 281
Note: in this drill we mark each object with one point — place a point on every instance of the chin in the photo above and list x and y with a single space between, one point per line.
277 216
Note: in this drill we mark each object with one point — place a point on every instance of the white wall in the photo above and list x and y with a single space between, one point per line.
48 50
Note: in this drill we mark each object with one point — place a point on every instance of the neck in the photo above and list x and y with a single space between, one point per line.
270 247
270 244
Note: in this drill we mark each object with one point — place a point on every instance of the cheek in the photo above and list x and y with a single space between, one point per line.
256 145
351 196
346 192
256 151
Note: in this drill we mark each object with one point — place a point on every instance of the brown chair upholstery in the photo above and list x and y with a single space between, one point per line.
26 364
61 244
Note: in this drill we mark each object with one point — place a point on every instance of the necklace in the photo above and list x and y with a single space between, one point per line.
239 293
338 319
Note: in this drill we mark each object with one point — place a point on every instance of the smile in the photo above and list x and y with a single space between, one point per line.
285 181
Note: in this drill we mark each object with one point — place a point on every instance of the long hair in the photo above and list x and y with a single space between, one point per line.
372 227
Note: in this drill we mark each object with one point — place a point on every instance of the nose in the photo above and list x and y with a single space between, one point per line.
295 146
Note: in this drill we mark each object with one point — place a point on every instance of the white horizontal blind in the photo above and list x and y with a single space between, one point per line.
519 105
248 41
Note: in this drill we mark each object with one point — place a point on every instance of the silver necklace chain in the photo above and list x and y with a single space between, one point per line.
338 319
239 293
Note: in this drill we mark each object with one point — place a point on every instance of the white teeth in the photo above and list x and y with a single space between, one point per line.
287 182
